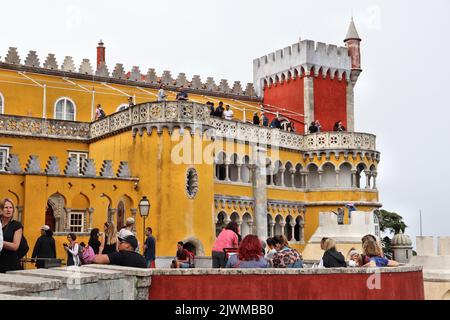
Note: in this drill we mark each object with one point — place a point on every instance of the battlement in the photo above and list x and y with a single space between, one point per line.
303 58
132 77
71 169
426 246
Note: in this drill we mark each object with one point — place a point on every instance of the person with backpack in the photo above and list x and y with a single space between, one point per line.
44 247
73 250
87 254
99 112
14 243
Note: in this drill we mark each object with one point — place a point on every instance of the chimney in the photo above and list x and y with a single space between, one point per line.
100 54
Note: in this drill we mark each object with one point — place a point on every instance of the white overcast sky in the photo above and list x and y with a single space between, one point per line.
402 96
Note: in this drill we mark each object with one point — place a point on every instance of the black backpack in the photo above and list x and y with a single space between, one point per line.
102 113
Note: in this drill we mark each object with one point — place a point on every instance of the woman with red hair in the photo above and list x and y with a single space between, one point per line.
249 255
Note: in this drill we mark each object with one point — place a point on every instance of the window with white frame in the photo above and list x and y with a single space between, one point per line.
81 160
2 104
65 109
122 107
76 221
4 155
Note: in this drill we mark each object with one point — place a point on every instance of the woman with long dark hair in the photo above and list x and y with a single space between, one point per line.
94 241
227 238
12 236
250 254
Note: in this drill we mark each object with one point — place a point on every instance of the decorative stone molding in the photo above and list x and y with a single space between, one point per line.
135 74
107 169
12 56
50 62
237 88
181 80
224 87
167 78
72 168
221 202
102 70
85 67
33 165
52 168
196 82
151 77
210 85
119 72
124 170
68 64
191 183
13 164
32 60
89 168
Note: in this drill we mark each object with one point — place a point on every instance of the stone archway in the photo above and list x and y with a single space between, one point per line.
194 245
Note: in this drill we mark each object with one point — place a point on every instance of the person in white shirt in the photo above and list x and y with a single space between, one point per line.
128 230
228 114
161 94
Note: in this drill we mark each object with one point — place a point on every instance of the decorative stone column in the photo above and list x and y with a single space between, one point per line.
304 179
111 213
292 225
260 191
302 231
239 223
282 225
320 172
227 220
337 177
367 172
227 170
90 212
282 171
353 178
250 226
374 175
292 171
270 172
67 220
239 166
272 228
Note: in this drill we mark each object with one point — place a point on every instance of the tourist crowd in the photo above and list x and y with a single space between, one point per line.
122 248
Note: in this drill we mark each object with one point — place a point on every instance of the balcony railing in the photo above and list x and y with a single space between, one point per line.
174 113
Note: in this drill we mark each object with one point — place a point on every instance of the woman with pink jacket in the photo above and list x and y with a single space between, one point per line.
227 238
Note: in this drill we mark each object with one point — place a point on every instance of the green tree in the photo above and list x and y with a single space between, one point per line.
390 223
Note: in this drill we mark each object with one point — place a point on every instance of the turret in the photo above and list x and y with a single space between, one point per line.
353 43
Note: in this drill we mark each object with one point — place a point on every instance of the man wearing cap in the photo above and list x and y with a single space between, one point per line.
44 247
127 255
129 227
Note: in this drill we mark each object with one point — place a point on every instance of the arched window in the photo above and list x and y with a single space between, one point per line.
65 109
122 107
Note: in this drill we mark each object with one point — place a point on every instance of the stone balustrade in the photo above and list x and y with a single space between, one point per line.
195 116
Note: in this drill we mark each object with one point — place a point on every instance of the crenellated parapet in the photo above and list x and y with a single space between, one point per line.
69 68
303 58
71 168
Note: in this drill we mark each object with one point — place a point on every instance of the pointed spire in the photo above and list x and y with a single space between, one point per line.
352 33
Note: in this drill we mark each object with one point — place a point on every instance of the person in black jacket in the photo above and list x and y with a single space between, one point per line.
332 258
44 247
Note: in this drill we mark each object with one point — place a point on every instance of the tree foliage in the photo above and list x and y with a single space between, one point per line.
390 222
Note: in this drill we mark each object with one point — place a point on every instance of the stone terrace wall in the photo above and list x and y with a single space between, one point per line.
107 282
